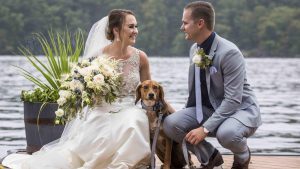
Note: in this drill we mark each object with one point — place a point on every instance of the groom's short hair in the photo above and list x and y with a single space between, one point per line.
203 10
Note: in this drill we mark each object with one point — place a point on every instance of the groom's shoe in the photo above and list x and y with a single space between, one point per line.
214 161
237 165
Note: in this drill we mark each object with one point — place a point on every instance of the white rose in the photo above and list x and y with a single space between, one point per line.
107 70
197 59
87 71
61 101
98 79
59 112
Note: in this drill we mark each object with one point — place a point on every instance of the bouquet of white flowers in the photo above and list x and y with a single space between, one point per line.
91 82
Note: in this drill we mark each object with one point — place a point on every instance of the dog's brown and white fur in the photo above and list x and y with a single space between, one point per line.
151 93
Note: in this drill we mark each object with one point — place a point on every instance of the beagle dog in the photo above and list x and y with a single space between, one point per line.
152 99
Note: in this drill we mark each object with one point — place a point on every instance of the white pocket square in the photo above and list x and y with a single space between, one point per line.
212 70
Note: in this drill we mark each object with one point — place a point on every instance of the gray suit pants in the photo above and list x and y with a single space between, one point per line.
231 134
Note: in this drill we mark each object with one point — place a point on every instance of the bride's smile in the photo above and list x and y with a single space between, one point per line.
129 30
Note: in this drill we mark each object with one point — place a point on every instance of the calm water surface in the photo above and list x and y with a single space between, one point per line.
275 81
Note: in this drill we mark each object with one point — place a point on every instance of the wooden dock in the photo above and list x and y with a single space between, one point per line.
257 162
267 162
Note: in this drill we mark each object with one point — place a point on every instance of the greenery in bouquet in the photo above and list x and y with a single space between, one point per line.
60 50
91 82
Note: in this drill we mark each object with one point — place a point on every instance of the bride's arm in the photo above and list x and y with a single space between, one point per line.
144 67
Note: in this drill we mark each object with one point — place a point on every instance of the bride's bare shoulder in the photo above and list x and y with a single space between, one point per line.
143 56
141 53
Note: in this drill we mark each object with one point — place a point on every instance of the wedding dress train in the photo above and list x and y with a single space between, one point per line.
109 136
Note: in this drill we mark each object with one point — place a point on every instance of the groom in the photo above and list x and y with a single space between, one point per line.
221 102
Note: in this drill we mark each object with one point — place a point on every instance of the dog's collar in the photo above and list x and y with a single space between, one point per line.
157 106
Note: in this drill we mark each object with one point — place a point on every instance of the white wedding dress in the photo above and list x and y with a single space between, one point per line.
109 136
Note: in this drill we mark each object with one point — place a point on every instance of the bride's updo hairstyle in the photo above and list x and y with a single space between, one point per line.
116 18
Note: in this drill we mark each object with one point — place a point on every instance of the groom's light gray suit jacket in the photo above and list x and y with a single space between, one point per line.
229 92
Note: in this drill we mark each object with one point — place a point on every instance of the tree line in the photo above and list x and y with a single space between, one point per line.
269 28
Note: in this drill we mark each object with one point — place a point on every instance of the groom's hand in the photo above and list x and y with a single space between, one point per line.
196 135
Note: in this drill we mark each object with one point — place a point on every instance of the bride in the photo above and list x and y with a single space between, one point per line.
103 140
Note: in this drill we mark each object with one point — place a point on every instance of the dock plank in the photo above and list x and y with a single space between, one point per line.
258 162
267 162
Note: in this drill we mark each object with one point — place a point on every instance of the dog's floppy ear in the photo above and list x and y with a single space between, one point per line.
162 99
161 93
138 93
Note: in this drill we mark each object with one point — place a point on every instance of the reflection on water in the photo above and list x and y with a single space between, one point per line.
275 81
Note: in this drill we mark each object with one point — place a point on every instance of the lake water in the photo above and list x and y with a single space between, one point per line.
275 81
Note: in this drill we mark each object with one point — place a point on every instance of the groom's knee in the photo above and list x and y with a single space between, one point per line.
169 126
226 137
231 136
172 128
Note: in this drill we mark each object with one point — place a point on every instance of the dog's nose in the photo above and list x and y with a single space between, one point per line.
151 95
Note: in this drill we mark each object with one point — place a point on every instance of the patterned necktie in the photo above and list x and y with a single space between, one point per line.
199 113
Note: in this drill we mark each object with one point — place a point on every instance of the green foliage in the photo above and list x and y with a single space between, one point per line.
263 28
278 29
60 51
39 95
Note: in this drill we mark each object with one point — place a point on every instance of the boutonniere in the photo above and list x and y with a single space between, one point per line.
201 59
204 61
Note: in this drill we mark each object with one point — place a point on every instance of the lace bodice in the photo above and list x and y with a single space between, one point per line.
130 69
